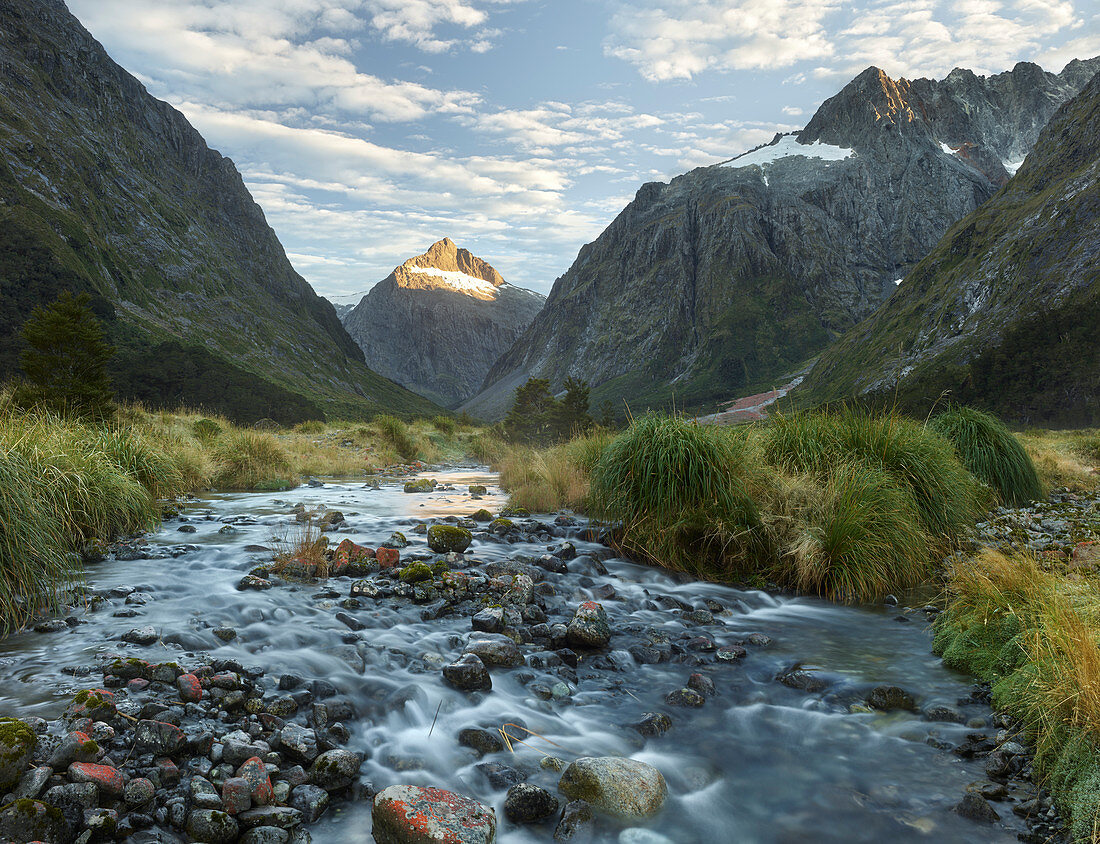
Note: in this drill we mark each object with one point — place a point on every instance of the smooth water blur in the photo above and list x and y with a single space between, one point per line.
758 763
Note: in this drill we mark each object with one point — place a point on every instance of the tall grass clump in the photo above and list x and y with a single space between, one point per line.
1033 636
557 478
310 426
681 491
861 539
396 433
445 425
990 451
249 459
151 460
946 495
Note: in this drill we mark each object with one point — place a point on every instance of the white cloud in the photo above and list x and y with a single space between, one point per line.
680 39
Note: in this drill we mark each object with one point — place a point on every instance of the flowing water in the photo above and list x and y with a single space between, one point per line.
760 762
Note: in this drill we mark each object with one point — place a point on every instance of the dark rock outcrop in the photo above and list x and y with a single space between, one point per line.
734 274
439 321
1003 312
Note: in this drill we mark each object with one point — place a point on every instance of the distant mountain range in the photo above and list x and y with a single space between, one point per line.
731 276
1005 311
106 190
439 321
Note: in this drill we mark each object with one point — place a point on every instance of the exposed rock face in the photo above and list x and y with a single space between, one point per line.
1004 312
731 275
105 190
439 321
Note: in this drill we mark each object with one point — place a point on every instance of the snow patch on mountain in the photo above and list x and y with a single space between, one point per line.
786 147
459 282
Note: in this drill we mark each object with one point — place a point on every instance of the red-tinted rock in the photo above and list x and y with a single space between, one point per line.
168 770
97 704
137 685
347 552
409 814
388 558
236 795
190 688
259 782
107 779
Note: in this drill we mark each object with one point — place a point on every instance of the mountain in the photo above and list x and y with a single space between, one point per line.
1004 312
733 275
106 190
439 321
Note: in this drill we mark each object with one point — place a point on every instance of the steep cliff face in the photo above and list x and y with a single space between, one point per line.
1004 312
731 275
439 321
108 190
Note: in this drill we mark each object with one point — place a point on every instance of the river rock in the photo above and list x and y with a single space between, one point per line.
107 779
443 539
141 636
469 674
976 808
495 650
212 826
31 820
335 769
267 835
590 627
158 737
17 744
575 822
409 814
528 803
625 788
310 800
889 698
299 743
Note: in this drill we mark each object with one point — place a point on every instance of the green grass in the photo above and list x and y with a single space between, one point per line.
445 425
946 495
396 433
991 452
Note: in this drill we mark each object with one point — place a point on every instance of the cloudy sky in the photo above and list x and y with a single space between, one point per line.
367 129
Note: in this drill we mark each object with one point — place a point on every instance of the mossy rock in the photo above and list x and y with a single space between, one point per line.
17 744
478 489
446 538
32 820
516 512
501 526
440 568
397 540
482 515
415 573
420 485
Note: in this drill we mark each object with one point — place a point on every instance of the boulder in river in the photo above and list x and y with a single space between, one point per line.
625 788
409 814
443 539
590 627
31 820
468 673
17 744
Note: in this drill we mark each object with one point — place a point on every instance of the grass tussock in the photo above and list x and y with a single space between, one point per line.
992 453
1032 634
248 459
300 551
1065 458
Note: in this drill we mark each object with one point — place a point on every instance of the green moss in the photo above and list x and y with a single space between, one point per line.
478 489
501 525
415 573
446 538
420 485
440 568
482 515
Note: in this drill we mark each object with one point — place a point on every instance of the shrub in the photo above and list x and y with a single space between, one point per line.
311 426
206 430
396 433
989 450
445 425
946 495
247 458
680 490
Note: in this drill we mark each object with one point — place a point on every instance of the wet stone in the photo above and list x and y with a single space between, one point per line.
590 627
527 804
406 814
495 650
499 775
158 737
335 769
236 795
575 822
653 724
212 826
283 817
625 788
266 835
887 698
481 741
468 673
141 636
310 800
685 697
976 808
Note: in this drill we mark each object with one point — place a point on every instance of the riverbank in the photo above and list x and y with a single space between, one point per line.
67 487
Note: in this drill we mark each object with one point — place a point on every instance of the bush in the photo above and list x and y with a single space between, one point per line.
247 459
989 450
445 425
396 433
680 490
311 426
946 495
206 430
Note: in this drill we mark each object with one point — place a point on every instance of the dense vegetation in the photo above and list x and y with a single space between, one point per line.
1033 635
847 504
537 417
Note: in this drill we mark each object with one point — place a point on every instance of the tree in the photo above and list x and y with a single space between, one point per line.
532 416
65 361
572 416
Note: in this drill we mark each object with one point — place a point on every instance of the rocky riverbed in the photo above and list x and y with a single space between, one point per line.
499 671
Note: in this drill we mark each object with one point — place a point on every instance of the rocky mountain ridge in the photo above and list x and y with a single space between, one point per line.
106 190
439 321
732 275
1004 311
